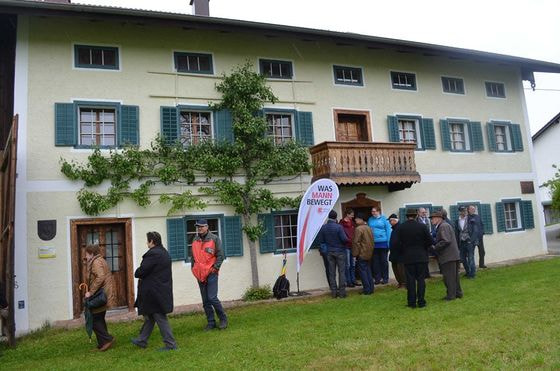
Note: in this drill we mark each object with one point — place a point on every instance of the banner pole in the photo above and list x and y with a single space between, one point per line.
297 281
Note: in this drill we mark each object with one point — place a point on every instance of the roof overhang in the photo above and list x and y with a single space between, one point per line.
528 66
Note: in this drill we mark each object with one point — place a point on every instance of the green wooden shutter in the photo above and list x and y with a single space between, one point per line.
402 214
266 241
500 217
428 134
445 138
128 125
485 212
453 213
517 138
223 125
477 141
177 239
527 212
437 208
304 128
491 136
393 127
233 236
169 124
65 128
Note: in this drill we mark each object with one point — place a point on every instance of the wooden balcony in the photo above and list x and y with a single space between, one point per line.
366 163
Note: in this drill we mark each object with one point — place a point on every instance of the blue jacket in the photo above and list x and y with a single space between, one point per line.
332 234
381 228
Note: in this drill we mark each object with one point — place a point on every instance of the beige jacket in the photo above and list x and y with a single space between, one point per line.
99 276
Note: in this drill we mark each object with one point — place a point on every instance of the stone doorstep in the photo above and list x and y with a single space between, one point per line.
123 315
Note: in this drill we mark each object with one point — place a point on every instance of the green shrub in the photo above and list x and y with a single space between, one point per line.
257 293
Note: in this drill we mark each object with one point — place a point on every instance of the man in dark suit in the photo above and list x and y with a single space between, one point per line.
447 252
478 220
467 233
155 293
412 242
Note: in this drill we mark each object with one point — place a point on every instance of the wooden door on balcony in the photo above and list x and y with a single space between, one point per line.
352 126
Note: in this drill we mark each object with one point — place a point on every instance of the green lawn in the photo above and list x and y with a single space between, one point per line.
509 318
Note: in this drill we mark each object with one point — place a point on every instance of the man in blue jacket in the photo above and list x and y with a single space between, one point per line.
332 234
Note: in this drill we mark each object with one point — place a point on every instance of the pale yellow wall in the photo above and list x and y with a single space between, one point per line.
146 49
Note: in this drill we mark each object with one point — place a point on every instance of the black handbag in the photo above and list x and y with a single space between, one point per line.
97 300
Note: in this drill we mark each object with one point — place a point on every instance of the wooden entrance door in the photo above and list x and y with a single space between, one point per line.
361 204
114 241
352 126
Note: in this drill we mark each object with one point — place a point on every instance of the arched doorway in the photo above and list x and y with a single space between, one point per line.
360 204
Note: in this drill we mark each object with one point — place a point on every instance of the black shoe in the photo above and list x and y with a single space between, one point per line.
137 343
209 327
482 266
411 306
350 285
384 282
447 299
333 294
342 295
376 282
421 305
223 325
356 283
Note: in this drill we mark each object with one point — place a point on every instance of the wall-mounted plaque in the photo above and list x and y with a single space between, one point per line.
46 229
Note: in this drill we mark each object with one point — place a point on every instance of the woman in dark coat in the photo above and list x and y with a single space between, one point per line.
394 258
155 293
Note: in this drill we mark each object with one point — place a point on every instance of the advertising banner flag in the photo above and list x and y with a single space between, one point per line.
317 202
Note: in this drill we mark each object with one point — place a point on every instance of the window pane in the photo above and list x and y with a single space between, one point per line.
181 63
285 70
340 74
96 57
193 63
107 116
84 56
109 57
275 67
204 63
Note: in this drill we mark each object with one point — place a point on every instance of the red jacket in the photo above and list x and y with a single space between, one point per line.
349 228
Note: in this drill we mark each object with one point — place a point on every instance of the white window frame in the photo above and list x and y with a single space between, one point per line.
115 123
507 135
466 134
517 205
419 144
280 113
194 110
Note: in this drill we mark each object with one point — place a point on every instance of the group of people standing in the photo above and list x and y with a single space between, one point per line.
155 287
356 245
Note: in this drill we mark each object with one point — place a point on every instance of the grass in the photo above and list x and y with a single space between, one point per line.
508 319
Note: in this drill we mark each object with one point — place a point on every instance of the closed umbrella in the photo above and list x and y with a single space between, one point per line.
88 316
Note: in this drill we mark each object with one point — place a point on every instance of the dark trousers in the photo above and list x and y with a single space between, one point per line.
164 329
467 258
326 263
450 272
481 253
350 267
100 329
337 260
367 278
415 283
380 265
400 275
210 301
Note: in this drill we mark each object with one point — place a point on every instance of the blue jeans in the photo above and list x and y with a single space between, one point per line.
365 273
210 301
467 258
350 267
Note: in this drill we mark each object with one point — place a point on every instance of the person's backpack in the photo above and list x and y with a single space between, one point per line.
281 287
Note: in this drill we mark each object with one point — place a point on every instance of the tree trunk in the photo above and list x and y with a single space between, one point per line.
252 254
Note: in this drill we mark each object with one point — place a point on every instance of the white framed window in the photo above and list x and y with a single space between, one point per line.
403 80
512 215
459 136
195 127
97 126
276 69
495 89
348 75
409 131
280 126
453 85
285 231
503 138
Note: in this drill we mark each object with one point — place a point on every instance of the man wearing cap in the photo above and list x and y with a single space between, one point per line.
467 234
332 234
412 243
206 260
362 250
447 252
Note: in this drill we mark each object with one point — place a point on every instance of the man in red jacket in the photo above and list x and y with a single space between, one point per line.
206 260
348 224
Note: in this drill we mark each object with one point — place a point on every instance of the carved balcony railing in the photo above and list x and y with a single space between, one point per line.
366 163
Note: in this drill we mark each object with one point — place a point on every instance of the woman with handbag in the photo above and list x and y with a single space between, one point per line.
99 282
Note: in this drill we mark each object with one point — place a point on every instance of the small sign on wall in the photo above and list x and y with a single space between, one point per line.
47 252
